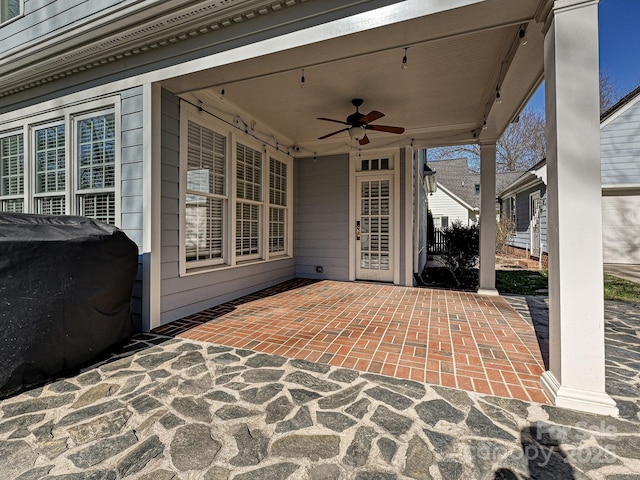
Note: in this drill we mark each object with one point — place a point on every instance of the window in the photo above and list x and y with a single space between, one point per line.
441 222
10 9
66 167
205 199
375 164
50 170
512 209
96 164
248 201
236 196
12 173
477 188
277 206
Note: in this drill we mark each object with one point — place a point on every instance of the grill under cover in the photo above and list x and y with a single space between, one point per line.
65 295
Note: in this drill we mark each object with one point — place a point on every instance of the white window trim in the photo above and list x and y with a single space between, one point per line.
230 258
33 194
394 171
262 245
13 19
187 114
25 178
288 249
67 115
76 191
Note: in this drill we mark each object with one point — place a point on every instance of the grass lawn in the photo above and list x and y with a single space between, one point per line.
522 282
616 288
526 282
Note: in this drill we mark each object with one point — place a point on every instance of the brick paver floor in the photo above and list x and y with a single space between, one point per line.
450 338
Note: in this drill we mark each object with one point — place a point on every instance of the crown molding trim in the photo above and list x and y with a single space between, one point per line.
48 62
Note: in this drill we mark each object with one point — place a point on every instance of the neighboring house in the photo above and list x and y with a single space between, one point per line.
457 198
620 150
523 203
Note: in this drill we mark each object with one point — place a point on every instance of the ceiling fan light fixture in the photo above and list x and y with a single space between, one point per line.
357 132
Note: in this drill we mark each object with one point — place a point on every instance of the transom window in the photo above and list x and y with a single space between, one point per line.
236 196
10 9
383 163
67 166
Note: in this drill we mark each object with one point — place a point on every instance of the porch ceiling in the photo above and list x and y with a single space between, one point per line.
456 58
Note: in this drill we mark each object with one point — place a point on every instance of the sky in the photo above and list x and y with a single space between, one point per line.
619 47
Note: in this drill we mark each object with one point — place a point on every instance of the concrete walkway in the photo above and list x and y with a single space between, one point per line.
182 409
628 272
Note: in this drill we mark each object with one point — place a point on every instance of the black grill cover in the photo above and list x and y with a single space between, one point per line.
65 295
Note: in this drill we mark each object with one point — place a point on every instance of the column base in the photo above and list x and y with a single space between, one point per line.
574 399
488 291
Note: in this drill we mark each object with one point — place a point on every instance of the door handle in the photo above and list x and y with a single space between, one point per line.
358 230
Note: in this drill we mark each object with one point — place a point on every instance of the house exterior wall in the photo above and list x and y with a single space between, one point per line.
44 18
522 237
188 293
443 205
620 148
620 153
621 227
321 217
132 203
129 163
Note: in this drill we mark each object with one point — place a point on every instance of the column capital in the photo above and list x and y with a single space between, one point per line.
488 142
548 8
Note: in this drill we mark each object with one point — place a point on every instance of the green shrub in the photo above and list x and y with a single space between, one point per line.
461 250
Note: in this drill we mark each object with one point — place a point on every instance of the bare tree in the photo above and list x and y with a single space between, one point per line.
521 146
609 92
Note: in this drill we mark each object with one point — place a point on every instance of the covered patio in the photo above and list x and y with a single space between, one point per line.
443 337
230 178
448 73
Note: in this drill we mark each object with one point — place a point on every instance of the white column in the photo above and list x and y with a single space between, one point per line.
487 280
151 210
576 306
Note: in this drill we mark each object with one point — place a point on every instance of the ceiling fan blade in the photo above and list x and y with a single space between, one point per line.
332 120
385 128
371 116
364 140
334 133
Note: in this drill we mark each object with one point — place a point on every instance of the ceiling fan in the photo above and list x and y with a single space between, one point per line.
358 124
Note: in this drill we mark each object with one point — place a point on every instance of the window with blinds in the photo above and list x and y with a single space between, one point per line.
63 163
205 194
49 151
277 206
96 164
236 196
248 201
12 173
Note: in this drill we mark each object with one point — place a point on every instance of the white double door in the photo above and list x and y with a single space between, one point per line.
374 228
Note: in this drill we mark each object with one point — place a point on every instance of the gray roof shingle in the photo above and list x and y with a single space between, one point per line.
455 176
